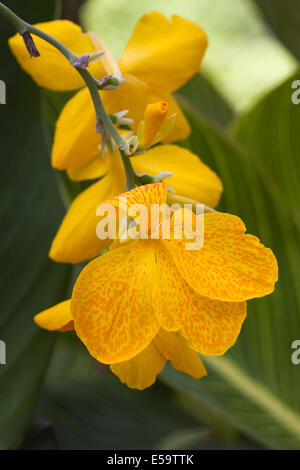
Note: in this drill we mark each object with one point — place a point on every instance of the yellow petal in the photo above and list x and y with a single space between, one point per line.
154 117
164 53
111 303
76 239
210 326
75 140
52 70
191 178
56 318
175 348
231 266
141 371
97 166
92 169
108 60
135 96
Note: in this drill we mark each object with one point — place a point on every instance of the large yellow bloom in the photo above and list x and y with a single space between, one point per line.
148 301
160 56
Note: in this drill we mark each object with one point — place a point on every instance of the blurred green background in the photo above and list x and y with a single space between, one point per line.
53 395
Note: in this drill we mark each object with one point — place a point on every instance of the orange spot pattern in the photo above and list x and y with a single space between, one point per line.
231 266
111 303
210 326
146 195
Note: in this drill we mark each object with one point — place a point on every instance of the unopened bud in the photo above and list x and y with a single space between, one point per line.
84 60
131 145
118 118
162 176
110 82
94 56
148 179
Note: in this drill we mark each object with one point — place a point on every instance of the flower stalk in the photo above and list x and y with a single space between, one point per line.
92 84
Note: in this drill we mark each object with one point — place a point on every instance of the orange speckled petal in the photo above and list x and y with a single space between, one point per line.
52 70
56 318
210 326
111 303
141 371
231 266
175 348
75 140
146 195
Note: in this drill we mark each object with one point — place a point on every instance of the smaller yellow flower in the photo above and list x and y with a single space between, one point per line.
149 301
145 66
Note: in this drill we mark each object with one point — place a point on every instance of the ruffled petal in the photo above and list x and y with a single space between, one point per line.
56 318
164 53
111 303
231 266
141 371
52 70
175 348
191 178
211 327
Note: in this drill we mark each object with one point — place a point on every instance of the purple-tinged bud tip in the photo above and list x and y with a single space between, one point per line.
82 61
30 46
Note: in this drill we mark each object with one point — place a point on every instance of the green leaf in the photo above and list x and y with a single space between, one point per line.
276 145
205 100
30 213
284 19
255 384
91 409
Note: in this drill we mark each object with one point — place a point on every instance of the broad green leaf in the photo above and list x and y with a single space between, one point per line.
206 100
255 384
284 18
30 213
271 133
91 409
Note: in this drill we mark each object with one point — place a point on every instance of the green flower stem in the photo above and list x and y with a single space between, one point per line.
130 173
89 80
20 25
99 108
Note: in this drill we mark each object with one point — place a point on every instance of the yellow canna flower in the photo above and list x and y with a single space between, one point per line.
149 77
149 301
76 238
